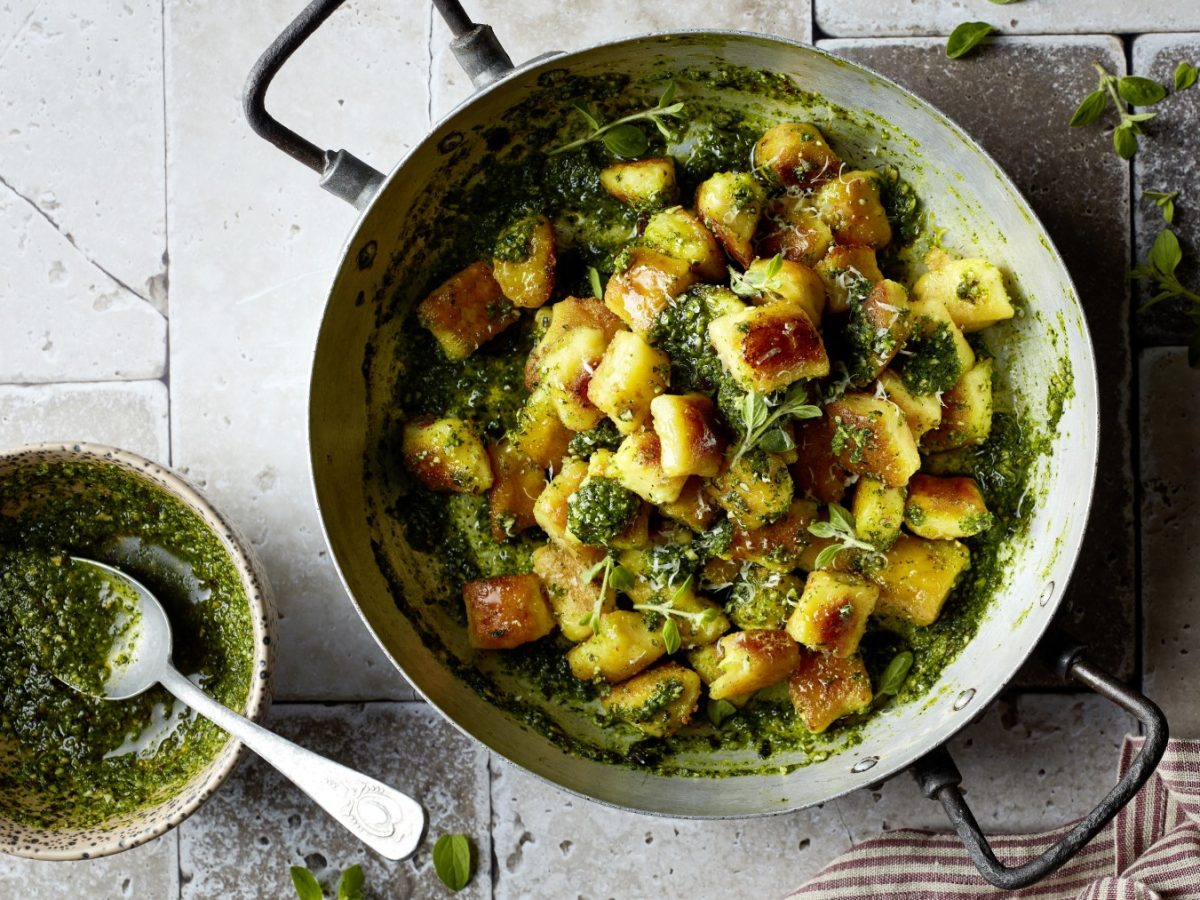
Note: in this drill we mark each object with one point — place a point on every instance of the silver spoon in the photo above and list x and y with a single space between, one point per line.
387 821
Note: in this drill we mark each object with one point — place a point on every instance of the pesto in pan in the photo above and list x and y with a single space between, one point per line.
698 423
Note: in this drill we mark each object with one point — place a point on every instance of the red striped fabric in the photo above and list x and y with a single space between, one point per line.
1150 851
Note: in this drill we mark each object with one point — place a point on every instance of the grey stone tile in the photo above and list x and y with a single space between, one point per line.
243 841
1031 762
549 843
1170 536
131 415
1080 189
1167 162
254 246
533 28
145 872
855 18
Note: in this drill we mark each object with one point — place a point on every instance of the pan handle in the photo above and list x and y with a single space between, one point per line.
939 777
342 173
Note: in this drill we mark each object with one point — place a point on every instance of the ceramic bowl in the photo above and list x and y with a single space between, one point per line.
133 829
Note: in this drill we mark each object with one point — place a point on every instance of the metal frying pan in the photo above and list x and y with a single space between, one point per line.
385 265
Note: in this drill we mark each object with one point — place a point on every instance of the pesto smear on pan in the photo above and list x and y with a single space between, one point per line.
704 450
68 759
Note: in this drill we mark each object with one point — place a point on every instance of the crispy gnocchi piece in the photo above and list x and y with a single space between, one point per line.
680 234
506 611
876 330
691 508
567 373
705 661
972 290
629 376
642 183
878 511
824 688
572 595
755 490
645 286
550 509
539 433
622 646
556 320
918 578
832 613
850 204
637 464
752 660
690 441
793 282
937 355
871 437
796 154
446 455
524 262
658 702
730 204
763 599
943 508
466 311
791 226
817 470
765 348
922 411
779 545
966 412
847 271
517 482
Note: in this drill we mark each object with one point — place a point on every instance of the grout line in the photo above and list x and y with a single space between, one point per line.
494 867
166 257
429 70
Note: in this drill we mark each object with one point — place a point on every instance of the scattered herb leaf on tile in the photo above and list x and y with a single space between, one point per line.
1122 91
1185 76
1140 91
966 37
1159 268
350 885
306 885
1165 201
452 861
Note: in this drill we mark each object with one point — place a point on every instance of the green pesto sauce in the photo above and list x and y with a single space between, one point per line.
70 760
593 230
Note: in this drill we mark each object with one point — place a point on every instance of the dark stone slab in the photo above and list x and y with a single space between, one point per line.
1167 162
1016 97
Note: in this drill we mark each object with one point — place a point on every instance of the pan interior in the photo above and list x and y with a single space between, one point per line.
402 244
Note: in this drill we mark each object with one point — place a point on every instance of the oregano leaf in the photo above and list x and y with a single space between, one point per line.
1166 254
588 115
1125 141
626 141
305 883
1091 109
1185 76
668 94
822 530
670 635
621 578
1140 91
825 557
777 441
452 861
841 518
594 281
966 37
897 670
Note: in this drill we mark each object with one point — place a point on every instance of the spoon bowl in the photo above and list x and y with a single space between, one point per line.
389 822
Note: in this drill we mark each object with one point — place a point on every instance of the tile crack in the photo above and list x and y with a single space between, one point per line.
19 31
71 240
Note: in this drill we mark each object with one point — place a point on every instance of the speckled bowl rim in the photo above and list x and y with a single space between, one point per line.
144 825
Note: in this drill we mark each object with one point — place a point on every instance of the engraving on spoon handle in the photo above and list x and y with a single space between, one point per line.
387 821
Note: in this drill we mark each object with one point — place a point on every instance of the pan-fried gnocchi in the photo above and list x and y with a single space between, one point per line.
735 452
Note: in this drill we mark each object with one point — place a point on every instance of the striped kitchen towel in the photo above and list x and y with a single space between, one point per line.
1150 851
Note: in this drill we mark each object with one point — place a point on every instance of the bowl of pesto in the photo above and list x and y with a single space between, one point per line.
82 777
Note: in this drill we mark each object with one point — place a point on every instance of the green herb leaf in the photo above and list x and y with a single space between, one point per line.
823 530
626 141
1140 91
841 518
777 441
305 883
897 670
966 37
621 578
1125 141
1165 201
670 635
668 94
826 556
1185 76
1166 254
452 860
718 711
1091 109
588 115
350 885
591 572
594 281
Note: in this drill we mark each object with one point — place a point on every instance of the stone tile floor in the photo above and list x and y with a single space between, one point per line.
164 272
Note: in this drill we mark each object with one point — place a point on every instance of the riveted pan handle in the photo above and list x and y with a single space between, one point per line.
342 173
939 777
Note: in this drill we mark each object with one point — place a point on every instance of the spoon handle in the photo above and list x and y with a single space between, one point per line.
387 821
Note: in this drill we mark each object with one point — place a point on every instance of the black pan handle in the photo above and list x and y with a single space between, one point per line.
342 173
939 777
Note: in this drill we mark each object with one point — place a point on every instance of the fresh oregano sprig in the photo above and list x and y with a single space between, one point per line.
840 529
1159 268
616 575
452 861
752 284
763 421
622 137
350 884
1165 201
1122 91
670 631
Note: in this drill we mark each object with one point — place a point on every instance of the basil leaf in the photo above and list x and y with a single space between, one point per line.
1090 109
452 861
777 441
621 578
826 556
1125 141
718 711
1166 254
306 884
1140 91
897 670
594 281
627 141
670 635
1185 76
350 885
966 37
